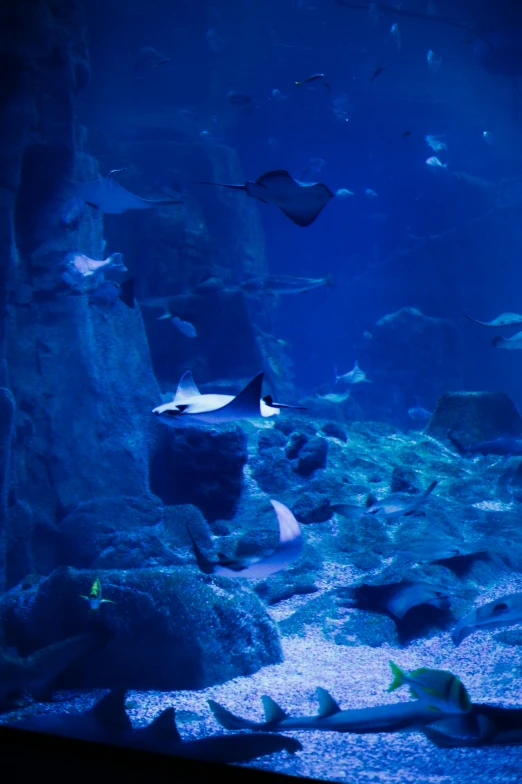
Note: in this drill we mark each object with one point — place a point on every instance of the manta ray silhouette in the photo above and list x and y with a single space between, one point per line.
109 196
300 201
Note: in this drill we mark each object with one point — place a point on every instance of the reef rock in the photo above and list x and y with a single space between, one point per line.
172 629
480 415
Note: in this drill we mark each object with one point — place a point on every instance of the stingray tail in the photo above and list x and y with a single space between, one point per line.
220 184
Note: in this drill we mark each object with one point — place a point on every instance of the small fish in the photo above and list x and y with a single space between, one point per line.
439 688
72 214
244 102
77 266
354 376
310 79
378 71
148 58
185 327
433 63
506 611
106 294
488 137
405 134
95 598
277 95
343 193
418 413
434 141
396 33
333 397
435 163
284 284
504 320
504 446
398 504
514 342
370 193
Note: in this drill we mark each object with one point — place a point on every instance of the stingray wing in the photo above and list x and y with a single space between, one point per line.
300 201
504 320
186 390
111 197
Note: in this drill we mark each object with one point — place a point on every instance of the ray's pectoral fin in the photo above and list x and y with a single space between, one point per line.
247 403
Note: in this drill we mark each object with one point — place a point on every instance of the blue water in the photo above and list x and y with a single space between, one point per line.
94 486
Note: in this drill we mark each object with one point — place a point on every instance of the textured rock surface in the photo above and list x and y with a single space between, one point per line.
480 416
172 628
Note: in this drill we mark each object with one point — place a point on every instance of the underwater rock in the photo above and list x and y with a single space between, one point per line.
295 443
269 438
201 466
311 456
272 472
172 629
312 508
410 355
7 414
334 430
404 480
478 416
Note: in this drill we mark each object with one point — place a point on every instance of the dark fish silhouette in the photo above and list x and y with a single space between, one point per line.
397 599
36 672
107 722
110 197
504 446
504 320
300 201
485 725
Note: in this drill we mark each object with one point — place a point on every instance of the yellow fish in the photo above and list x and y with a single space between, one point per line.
95 596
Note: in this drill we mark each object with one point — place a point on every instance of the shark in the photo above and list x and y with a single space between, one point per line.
108 722
330 717
189 406
398 504
36 672
288 550
504 446
110 197
300 201
505 611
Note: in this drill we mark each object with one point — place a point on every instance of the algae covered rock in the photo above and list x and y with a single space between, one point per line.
481 416
171 628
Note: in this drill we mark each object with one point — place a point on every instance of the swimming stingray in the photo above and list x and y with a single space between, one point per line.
108 196
504 320
300 201
515 341
505 611
288 550
189 406
397 599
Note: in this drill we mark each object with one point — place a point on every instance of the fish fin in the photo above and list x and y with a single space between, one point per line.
228 720
371 500
83 597
248 402
164 727
273 712
107 601
398 677
289 528
327 704
221 185
496 340
110 710
429 489
186 388
126 293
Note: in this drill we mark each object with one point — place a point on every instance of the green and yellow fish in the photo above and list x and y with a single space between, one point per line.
95 596
440 689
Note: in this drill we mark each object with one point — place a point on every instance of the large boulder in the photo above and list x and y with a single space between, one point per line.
172 629
480 416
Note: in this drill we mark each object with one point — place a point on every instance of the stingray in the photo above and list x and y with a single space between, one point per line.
398 599
300 201
505 611
504 320
288 550
515 341
189 406
108 196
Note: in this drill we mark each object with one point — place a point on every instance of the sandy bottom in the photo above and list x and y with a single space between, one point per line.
356 677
